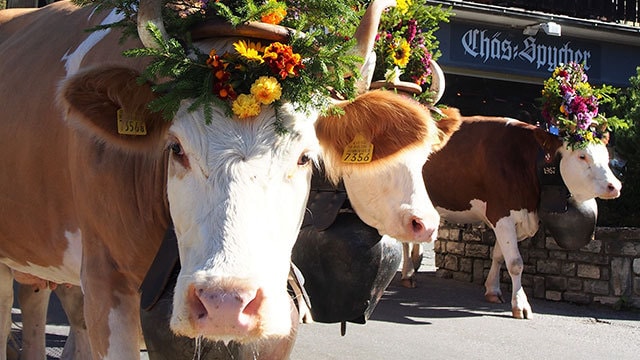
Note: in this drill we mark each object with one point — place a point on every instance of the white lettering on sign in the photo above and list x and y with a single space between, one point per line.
486 45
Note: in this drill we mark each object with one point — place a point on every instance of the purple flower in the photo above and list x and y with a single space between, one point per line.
412 29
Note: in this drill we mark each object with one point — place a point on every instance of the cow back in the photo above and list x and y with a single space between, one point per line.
489 159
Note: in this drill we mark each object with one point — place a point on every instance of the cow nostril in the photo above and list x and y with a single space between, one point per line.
197 307
417 226
254 305
611 188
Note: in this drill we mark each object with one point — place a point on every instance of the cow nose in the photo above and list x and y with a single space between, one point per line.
422 232
614 189
224 313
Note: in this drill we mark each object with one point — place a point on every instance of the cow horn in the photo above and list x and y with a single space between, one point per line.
366 36
150 11
437 81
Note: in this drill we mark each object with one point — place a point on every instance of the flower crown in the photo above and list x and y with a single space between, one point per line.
406 44
571 105
312 62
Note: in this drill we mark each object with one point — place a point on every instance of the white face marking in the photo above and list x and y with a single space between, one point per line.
237 192
587 174
391 198
73 60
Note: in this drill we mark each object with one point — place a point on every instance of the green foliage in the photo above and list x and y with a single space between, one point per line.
406 43
3 4
189 77
625 108
326 60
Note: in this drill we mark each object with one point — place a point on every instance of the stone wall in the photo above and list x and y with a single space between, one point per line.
606 271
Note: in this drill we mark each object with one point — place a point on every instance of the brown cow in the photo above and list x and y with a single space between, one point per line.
487 173
86 206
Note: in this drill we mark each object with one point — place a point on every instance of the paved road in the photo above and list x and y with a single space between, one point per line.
446 319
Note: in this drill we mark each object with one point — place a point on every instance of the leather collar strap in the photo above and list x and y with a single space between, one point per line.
164 264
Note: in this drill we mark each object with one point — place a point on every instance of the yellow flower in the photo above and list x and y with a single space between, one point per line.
589 136
249 50
401 53
403 6
266 90
245 106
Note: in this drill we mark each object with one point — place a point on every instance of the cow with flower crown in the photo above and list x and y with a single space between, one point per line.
513 176
207 123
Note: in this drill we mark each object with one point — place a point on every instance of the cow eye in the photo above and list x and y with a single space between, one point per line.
176 149
304 159
177 153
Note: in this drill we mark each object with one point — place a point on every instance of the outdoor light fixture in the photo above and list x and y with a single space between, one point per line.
549 28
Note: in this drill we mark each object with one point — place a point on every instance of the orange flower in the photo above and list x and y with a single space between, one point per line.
276 15
282 60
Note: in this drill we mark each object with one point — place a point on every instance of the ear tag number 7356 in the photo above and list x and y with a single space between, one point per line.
358 151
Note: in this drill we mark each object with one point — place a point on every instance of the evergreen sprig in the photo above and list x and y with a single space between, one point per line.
320 50
188 77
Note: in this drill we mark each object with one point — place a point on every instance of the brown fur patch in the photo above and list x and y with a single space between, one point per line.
391 122
92 98
447 125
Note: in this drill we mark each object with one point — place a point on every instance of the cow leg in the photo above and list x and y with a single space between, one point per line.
416 255
111 310
77 344
508 241
408 279
34 303
493 292
6 301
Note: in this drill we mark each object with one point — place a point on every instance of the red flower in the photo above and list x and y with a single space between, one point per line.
282 60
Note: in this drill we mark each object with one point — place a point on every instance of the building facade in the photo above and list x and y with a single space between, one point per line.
497 54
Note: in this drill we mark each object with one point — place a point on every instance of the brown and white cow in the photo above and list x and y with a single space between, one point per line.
85 206
487 173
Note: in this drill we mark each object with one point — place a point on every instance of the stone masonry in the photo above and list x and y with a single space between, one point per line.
605 271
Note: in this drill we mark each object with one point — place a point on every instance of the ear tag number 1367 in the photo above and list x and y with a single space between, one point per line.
358 151
130 127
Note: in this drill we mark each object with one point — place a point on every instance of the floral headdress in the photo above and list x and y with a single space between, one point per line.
255 74
571 105
406 43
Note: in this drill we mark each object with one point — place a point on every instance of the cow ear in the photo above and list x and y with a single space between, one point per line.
392 123
447 125
548 141
96 100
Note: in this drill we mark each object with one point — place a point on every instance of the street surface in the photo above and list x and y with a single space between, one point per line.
447 319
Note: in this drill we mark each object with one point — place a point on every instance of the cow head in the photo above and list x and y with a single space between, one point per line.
587 174
237 188
405 211
584 170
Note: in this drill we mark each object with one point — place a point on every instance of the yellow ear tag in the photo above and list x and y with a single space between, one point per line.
359 151
130 127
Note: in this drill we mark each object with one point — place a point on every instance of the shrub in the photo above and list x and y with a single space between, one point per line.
625 211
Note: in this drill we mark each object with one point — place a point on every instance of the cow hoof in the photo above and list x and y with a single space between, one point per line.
521 313
409 283
494 298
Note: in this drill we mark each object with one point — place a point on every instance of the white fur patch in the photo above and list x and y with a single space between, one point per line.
68 273
73 60
476 214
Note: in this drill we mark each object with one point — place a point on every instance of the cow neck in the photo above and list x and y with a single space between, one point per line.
554 193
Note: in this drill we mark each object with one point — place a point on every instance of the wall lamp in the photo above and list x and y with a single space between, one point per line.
550 28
